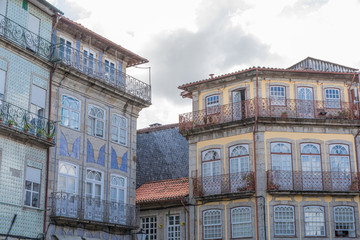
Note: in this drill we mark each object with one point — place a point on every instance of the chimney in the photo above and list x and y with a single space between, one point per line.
211 75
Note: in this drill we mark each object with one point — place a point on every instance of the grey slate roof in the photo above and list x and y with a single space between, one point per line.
161 153
313 64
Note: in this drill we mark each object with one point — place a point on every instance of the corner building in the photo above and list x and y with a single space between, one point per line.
274 153
25 128
92 175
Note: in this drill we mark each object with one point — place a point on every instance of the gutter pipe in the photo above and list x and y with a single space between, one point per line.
188 218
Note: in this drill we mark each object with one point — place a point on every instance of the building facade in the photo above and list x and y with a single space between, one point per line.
26 133
273 153
92 175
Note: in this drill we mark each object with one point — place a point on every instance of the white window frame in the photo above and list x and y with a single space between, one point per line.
29 178
341 156
67 176
173 230
34 107
243 161
214 163
119 129
246 224
344 222
149 226
3 75
212 107
94 182
277 162
215 227
330 100
93 131
71 112
276 96
314 227
118 188
285 223
69 59
107 74
86 67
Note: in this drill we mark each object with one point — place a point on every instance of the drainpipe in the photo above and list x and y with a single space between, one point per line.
356 152
254 147
48 150
188 218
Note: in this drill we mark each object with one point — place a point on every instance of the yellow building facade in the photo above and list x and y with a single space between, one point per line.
273 153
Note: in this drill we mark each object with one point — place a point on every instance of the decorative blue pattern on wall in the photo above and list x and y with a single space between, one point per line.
106 236
123 166
75 153
114 163
89 152
101 158
113 237
80 232
63 145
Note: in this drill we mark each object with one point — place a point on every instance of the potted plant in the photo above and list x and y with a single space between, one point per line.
284 114
27 126
11 123
272 186
250 181
40 132
354 185
50 136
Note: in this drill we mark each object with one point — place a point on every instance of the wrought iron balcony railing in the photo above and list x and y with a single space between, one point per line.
315 181
14 117
232 183
77 208
25 38
292 108
106 73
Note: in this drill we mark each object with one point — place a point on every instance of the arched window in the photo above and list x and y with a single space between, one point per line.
339 158
281 156
241 222
284 220
94 184
96 121
314 218
68 178
344 221
311 166
211 162
239 158
212 224
70 112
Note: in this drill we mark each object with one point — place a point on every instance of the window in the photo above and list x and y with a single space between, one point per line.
117 189
239 159
311 166
212 104
281 156
38 101
89 62
344 221
94 184
332 98
96 121
70 112
173 230
149 225
68 178
212 224
32 187
65 50
339 158
241 222
314 221
277 95
119 129
2 84
284 220
110 70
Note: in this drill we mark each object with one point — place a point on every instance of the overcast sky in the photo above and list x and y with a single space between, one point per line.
186 40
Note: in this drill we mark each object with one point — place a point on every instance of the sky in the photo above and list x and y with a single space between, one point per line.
186 40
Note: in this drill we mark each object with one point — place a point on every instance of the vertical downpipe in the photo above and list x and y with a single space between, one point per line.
254 147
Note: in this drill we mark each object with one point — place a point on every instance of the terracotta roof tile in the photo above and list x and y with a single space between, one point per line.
162 190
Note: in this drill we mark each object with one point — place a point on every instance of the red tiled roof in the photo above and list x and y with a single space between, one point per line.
162 190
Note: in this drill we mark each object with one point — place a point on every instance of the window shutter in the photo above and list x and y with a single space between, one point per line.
33 174
38 96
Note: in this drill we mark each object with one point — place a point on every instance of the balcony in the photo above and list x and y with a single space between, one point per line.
22 124
72 209
96 69
24 38
313 182
292 108
225 185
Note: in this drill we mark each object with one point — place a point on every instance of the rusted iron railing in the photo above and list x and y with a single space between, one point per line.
223 184
318 181
292 108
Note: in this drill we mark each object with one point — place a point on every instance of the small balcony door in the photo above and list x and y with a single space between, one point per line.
238 100
65 51
34 28
66 196
306 102
340 167
117 212
311 167
211 178
94 206
239 167
282 165
88 61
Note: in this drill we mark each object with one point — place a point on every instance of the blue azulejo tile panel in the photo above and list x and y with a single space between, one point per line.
124 161
75 153
90 153
101 158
